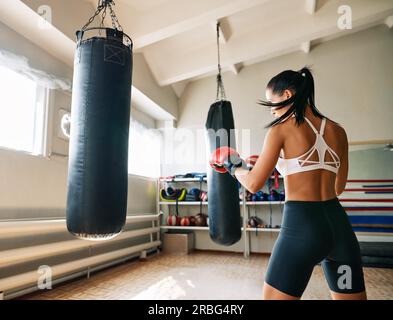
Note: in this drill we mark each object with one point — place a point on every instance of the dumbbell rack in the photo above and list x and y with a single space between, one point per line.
244 208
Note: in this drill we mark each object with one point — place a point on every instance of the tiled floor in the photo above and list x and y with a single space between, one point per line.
201 275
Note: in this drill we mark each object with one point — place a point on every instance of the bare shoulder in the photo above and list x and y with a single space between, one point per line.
279 129
338 130
275 135
284 125
282 130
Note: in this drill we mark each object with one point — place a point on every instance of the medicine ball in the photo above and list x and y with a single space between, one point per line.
185 222
192 220
200 220
173 220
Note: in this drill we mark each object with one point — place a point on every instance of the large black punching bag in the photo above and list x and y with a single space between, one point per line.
223 191
98 154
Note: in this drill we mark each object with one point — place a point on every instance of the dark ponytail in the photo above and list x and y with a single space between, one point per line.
301 84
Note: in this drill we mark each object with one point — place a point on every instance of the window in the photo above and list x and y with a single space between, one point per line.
22 112
144 151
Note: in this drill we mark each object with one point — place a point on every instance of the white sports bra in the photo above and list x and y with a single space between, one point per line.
302 163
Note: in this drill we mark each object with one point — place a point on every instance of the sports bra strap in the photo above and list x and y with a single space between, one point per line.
311 125
322 126
322 129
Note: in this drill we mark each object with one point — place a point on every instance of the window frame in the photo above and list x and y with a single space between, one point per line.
40 126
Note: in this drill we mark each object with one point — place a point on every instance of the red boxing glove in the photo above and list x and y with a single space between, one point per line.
225 159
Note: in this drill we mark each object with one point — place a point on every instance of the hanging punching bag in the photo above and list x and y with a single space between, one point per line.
100 114
223 191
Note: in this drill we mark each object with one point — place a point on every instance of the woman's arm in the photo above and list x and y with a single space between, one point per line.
342 174
255 179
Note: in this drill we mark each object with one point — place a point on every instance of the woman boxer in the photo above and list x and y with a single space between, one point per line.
311 152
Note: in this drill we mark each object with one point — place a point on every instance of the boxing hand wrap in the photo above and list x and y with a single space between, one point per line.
225 159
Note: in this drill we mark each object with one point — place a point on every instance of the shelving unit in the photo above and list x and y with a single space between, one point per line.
244 206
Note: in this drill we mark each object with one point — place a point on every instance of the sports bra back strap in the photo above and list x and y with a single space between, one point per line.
322 126
311 125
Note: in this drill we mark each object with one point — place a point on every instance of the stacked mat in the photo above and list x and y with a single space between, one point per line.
377 254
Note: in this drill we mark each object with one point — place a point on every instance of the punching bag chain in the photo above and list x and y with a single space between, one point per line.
220 84
98 11
115 21
102 6
102 24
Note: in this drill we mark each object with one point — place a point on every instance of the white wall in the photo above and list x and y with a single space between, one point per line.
354 80
143 79
142 118
33 187
37 57
375 163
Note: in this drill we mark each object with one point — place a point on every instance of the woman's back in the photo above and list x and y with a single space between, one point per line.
317 184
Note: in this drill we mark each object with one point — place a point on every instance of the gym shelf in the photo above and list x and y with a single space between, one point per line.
197 203
182 179
184 203
194 179
185 228
263 229
261 203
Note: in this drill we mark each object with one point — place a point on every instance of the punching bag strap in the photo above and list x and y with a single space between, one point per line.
79 36
220 84
114 34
